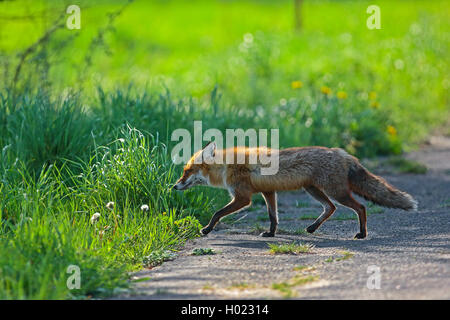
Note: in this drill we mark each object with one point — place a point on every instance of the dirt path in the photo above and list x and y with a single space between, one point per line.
411 250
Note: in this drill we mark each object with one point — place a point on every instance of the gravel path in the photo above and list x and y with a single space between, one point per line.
406 254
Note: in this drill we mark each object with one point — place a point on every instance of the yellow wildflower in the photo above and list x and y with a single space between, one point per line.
325 90
296 84
374 104
164 213
391 130
372 95
350 149
342 95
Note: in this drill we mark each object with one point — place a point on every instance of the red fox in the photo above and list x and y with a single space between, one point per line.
323 172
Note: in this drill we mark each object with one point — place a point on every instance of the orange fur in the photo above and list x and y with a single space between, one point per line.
323 172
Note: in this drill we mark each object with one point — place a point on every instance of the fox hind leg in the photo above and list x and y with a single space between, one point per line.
271 202
348 201
328 207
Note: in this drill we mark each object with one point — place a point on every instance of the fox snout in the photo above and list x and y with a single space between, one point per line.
190 179
183 184
175 186
180 186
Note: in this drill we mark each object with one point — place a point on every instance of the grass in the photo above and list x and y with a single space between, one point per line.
256 228
46 218
345 256
262 217
406 166
157 257
304 268
287 289
208 287
302 204
284 288
445 204
308 217
257 199
241 286
203 251
289 248
373 209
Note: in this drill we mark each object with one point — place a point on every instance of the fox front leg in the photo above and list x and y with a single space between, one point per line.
271 202
236 204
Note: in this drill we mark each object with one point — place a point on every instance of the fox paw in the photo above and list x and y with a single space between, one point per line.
360 235
267 234
205 231
311 229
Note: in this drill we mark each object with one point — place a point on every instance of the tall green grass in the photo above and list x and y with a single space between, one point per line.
46 214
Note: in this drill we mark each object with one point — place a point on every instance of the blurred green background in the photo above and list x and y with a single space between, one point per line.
252 52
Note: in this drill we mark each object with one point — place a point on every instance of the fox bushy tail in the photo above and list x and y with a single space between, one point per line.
376 189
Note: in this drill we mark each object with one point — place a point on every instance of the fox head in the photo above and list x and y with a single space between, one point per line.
195 172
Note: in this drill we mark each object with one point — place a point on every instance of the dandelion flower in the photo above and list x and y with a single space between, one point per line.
325 90
296 84
144 207
374 104
110 205
372 95
248 38
399 64
342 95
164 213
391 130
350 149
95 217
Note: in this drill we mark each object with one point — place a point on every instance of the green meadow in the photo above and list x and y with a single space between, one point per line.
86 115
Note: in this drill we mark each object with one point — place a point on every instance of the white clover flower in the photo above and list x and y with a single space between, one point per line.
144 207
95 217
110 205
248 38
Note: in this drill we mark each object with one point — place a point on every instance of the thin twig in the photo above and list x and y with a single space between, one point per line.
23 56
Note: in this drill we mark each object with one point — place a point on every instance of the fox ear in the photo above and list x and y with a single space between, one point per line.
209 151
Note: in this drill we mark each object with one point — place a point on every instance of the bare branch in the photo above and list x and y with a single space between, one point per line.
23 56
